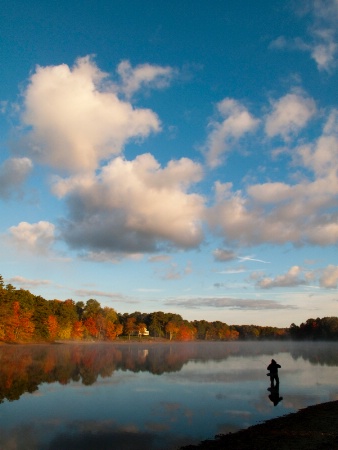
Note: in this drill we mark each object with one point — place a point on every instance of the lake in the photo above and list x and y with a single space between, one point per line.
153 396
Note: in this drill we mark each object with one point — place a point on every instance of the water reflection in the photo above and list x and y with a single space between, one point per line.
274 395
153 396
23 368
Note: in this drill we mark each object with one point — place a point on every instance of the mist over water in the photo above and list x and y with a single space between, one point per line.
153 396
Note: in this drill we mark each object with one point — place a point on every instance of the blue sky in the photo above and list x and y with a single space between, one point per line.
173 156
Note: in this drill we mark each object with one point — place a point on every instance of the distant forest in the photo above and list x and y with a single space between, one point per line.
25 317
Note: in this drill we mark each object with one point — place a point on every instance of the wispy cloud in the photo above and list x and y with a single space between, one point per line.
25 282
223 255
143 76
111 295
251 258
13 174
227 303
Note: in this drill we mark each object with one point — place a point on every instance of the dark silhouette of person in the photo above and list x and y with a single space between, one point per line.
273 372
274 395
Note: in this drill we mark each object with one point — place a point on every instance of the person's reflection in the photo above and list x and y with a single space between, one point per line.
274 395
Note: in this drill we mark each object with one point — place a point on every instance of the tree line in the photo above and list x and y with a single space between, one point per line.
25 317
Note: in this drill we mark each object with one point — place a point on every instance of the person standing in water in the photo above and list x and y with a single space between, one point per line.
273 369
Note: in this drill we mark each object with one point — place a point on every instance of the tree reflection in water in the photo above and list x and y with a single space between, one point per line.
24 368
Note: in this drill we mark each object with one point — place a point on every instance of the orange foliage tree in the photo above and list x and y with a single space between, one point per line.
52 326
90 326
186 332
19 326
172 328
113 330
77 331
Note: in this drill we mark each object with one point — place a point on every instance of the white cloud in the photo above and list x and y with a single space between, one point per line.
224 255
237 121
143 75
329 277
91 293
289 115
294 277
251 258
36 237
159 258
324 53
324 34
297 276
279 43
13 173
21 281
321 42
134 206
77 120
322 156
228 303
278 212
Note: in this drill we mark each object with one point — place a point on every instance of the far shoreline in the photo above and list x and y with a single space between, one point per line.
160 340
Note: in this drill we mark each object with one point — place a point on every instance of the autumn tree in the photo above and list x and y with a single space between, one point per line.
19 326
90 327
186 332
77 330
130 326
53 327
113 330
141 329
172 328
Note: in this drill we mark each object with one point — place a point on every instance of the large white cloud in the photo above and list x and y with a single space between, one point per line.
134 206
13 173
77 119
289 114
236 122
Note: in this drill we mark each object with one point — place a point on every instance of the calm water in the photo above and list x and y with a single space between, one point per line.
152 396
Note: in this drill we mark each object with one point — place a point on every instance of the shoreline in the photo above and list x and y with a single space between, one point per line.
312 428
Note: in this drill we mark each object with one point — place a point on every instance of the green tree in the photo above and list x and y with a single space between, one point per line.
92 308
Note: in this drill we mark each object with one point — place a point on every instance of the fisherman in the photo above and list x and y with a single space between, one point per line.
273 372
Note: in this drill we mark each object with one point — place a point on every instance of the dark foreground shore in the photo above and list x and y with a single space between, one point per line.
315 427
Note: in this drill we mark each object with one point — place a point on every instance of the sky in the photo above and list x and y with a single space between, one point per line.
172 156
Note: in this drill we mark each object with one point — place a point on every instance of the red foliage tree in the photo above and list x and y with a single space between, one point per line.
90 325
